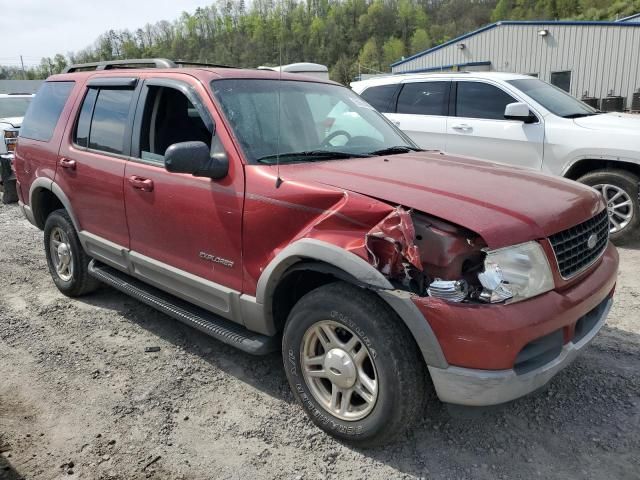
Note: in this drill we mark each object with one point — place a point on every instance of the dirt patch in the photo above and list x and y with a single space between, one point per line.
80 397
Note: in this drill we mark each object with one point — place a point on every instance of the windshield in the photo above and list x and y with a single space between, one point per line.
13 106
318 121
553 99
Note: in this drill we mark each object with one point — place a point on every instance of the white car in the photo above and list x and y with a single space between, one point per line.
522 121
12 110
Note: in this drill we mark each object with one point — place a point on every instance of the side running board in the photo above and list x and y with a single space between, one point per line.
196 317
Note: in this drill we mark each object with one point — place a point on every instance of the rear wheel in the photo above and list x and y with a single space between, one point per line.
68 263
353 365
620 190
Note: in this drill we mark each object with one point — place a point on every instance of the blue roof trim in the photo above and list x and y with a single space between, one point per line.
445 44
436 69
516 22
626 19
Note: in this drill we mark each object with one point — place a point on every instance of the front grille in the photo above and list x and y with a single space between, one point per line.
571 245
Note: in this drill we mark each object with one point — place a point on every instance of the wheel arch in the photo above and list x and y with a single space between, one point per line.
45 196
309 263
583 166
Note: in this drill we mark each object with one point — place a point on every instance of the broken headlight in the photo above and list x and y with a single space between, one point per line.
515 273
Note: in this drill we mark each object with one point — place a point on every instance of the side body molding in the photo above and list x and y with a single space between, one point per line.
312 249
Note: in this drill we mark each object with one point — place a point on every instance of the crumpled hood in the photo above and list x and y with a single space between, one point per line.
504 205
15 122
611 121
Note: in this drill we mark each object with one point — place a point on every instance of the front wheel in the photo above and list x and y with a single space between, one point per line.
620 190
353 365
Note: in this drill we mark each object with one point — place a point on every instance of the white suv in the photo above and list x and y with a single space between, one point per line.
12 109
521 121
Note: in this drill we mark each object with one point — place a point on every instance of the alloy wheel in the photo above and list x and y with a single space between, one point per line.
619 206
61 256
339 370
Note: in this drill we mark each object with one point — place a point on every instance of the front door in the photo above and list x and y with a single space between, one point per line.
185 231
480 130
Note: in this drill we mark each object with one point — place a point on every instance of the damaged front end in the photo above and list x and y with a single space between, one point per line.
430 257
427 256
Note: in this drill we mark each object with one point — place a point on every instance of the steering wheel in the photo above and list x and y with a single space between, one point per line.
327 141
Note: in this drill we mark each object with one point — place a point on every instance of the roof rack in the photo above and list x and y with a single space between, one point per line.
137 63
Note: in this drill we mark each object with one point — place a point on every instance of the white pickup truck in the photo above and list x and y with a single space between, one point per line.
521 121
12 110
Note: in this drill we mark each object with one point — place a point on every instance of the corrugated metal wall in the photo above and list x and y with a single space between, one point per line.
601 58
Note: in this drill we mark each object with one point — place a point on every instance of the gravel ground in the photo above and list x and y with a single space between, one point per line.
80 397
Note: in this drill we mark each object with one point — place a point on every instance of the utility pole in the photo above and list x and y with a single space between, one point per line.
24 75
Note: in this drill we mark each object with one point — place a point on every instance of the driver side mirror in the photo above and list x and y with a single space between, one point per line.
197 159
519 111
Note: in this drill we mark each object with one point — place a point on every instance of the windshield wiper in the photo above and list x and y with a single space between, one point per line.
310 156
396 150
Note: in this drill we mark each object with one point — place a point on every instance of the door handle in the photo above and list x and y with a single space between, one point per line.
67 163
141 183
463 127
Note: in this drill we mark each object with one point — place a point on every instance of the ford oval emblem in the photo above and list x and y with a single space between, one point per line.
592 241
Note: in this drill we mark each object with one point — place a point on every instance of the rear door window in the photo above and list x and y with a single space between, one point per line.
109 120
481 100
103 119
381 97
424 98
44 111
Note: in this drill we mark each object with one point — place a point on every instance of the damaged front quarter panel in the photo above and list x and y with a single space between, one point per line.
415 249
391 246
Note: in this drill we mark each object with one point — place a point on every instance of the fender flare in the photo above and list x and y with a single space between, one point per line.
365 274
53 187
597 157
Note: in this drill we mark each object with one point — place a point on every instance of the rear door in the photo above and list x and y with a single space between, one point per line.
477 127
421 112
91 165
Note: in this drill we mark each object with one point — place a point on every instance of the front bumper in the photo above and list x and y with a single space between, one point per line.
471 387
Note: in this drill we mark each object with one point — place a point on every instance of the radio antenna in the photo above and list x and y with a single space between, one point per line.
278 178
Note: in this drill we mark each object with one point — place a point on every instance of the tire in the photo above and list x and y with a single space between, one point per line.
628 183
9 192
74 280
393 361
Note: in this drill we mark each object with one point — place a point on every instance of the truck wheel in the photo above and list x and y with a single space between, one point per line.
620 190
353 365
66 258
9 193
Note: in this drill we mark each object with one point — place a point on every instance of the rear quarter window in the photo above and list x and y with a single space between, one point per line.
44 111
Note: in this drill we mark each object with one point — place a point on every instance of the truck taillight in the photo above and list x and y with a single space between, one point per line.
10 139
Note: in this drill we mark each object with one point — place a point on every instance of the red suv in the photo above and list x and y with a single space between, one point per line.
285 212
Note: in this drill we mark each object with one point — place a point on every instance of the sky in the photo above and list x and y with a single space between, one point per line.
42 28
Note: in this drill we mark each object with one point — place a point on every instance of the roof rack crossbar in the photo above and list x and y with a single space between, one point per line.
202 64
138 63
114 64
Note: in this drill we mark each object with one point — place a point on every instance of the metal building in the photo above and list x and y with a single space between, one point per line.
593 60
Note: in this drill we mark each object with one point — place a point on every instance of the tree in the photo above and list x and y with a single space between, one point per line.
370 55
392 51
420 41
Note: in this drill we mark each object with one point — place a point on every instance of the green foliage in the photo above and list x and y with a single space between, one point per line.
337 33
420 41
